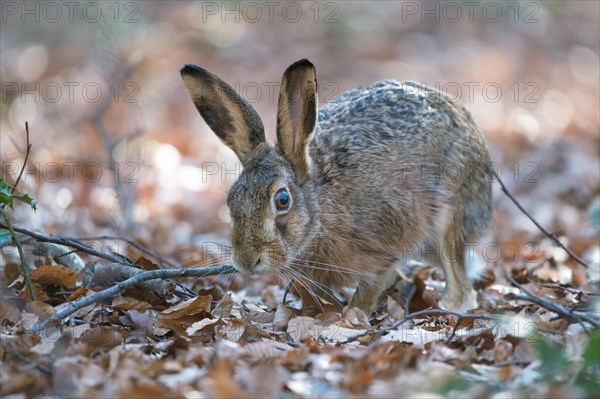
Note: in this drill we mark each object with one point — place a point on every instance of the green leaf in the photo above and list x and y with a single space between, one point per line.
591 353
6 197
5 238
554 360
5 194
4 184
27 199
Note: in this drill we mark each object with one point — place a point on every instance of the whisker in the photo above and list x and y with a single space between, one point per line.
326 290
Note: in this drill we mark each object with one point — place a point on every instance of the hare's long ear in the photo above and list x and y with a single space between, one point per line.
231 118
297 114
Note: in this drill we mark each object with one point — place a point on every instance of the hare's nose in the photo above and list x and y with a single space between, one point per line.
244 262
258 266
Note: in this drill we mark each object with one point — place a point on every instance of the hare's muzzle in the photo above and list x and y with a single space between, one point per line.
248 262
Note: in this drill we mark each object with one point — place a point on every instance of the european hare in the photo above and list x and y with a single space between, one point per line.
350 188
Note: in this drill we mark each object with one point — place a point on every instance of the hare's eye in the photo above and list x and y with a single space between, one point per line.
282 199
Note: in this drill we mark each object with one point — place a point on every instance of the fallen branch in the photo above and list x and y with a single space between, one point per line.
66 242
60 254
75 243
551 235
427 312
129 283
553 307
161 260
154 291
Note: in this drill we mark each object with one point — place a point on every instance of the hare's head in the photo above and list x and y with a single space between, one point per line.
272 216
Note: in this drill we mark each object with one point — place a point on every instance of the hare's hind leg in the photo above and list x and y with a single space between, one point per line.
445 247
459 295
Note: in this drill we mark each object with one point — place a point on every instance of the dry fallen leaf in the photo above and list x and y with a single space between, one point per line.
57 275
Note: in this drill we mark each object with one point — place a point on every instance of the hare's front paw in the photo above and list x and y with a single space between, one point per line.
459 301
365 297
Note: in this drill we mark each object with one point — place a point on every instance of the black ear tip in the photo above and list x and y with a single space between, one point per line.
303 63
192 70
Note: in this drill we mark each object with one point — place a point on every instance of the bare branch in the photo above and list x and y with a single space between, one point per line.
26 158
427 312
67 242
110 144
134 244
12 190
553 307
551 235
131 282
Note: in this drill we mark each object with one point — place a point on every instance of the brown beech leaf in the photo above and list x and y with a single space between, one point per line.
17 383
12 272
232 330
193 306
41 309
302 327
9 310
282 317
54 275
223 307
202 326
103 337
129 303
78 293
221 384
180 317
146 263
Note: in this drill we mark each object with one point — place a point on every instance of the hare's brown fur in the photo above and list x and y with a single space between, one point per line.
388 171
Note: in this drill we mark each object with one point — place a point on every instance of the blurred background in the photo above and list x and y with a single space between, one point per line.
99 84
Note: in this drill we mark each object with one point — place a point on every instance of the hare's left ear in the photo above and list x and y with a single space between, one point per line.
229 116
297 114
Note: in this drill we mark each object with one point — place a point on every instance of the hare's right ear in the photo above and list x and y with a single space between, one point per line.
297 114
232 119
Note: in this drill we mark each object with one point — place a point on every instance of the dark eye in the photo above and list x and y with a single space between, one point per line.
282 199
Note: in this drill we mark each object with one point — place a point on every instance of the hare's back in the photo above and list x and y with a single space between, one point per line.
396 122
402 152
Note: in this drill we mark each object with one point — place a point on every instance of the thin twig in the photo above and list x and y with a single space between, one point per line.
454 329
12 190
427 312
123 285
161 260
575 291
66 242
553 307
110 144
74 243
518 363
551 235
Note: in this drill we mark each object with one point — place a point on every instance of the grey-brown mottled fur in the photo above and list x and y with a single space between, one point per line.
392 167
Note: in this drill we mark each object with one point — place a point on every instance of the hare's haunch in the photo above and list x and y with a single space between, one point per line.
378 175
